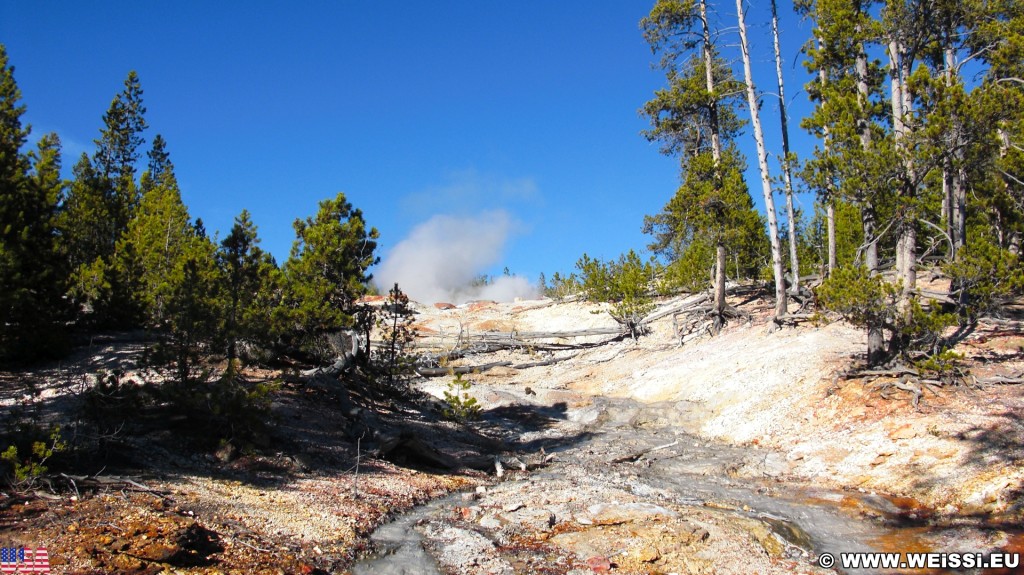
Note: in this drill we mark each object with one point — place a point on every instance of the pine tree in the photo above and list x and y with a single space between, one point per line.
193 306
326 271
157 238
252 286
695 118
101 202
117 152
32 276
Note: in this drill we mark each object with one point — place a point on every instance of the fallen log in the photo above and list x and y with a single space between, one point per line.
460 370
467 369
1000 380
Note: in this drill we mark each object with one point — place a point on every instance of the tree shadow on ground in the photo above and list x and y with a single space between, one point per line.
998 442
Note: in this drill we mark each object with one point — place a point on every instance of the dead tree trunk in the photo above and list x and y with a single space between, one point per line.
902 107
762 163
829 193
719 318
787 175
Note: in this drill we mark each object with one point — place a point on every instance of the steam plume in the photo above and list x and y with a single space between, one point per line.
442 256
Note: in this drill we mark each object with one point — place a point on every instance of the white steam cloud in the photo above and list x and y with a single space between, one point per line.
442 256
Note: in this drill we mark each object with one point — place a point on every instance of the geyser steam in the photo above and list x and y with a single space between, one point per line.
442 256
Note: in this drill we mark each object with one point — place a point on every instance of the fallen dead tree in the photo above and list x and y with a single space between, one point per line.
488 342
467 369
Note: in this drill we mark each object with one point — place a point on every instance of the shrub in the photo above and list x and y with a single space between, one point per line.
28 469
462 407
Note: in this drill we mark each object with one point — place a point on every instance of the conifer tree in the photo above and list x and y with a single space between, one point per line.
32 277
695 118
252 286
326 271
158 237
101 202
117 152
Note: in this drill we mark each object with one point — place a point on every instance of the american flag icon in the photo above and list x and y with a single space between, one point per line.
22 560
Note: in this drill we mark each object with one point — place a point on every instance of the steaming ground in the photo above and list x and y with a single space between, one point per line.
442 256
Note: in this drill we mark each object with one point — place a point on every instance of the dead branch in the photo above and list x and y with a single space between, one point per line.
637 456
1000 380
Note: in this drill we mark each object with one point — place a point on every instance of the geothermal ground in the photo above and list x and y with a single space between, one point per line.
749 452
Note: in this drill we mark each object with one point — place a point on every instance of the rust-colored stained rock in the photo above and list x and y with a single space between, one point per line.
444 305
599 564
479 305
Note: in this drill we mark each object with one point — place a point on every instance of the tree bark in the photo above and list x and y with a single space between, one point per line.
868 216
829 195
830 220
787 176
876 338
762 163
709 80
902 105
716 152
719 287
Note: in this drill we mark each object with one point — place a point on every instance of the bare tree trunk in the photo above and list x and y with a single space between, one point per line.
709 80
719 288
829 195
955 195
901 104
868 217
787 176
762 163
716 152
830 220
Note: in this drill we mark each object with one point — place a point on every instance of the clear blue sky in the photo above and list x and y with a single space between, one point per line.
413 109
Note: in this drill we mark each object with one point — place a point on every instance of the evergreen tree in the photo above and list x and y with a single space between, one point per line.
157 238
31 273
695 118
100 205
326 271
117 152
252 286
193 307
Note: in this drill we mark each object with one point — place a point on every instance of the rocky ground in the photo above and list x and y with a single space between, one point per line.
747 453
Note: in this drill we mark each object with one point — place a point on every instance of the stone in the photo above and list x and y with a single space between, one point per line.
618 513
648 554
599 564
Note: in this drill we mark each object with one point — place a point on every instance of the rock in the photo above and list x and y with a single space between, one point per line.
480 305
444 305
648 554
492 522
513 507
599 564
468 513
618 513
159 552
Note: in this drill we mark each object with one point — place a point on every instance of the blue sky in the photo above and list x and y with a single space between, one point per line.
412 109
